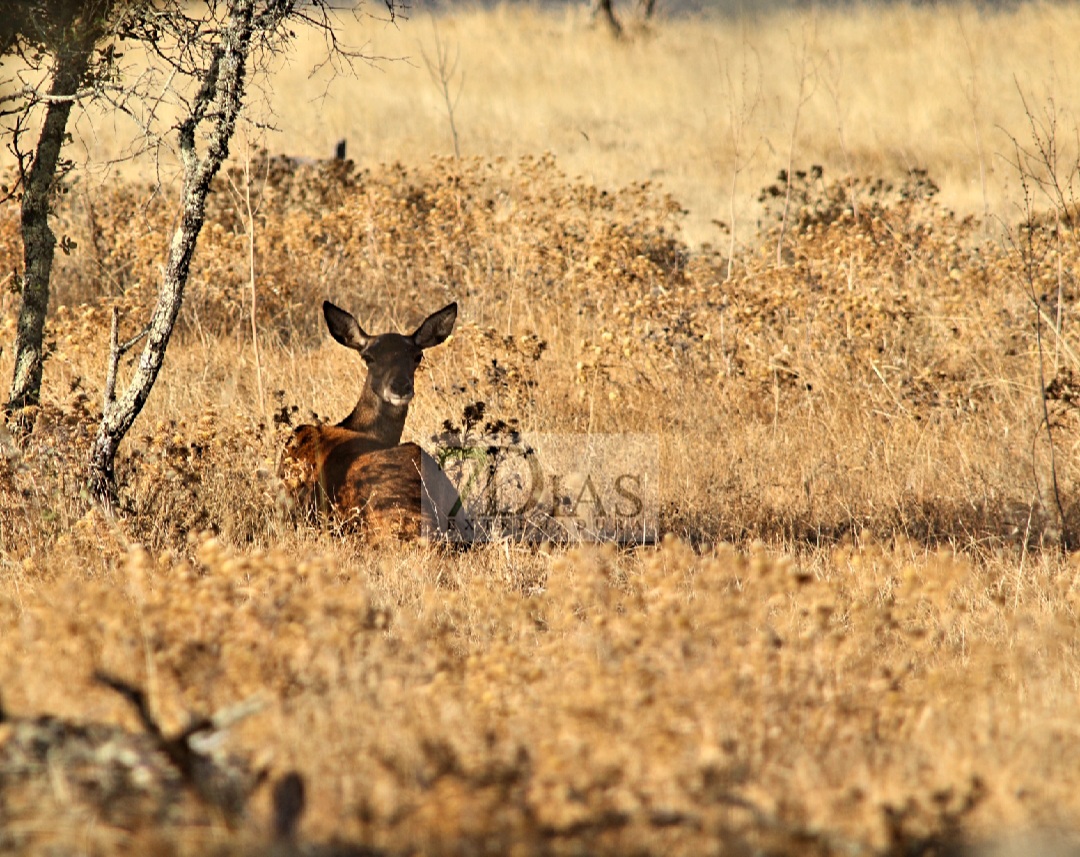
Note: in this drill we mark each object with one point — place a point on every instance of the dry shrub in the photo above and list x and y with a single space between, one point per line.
855 701
845 389
842 687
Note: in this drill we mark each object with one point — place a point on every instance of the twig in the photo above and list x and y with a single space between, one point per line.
197 769
889 389
30 93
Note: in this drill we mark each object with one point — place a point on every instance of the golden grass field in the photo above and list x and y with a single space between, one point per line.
689 103
858 635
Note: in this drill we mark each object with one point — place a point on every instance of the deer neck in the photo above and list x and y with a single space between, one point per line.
377 419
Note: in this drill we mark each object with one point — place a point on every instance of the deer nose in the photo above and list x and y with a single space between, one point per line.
399 391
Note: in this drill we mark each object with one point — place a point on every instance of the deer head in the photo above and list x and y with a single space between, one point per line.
392 359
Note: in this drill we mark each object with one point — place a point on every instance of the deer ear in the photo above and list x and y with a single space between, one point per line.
436 327
344 328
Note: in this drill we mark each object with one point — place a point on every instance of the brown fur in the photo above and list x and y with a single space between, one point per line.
377 489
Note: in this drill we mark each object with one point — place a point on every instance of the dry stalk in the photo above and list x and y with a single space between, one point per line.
1039 168
743 102
807 73
971 93
442 69
248 213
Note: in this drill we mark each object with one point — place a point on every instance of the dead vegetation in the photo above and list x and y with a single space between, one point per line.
859 637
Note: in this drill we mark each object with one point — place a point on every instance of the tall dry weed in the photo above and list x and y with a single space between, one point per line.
858 640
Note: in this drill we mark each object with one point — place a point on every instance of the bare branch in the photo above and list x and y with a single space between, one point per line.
31 94
116 351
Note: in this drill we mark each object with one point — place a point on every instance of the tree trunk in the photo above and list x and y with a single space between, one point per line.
39 242
603 9
218 102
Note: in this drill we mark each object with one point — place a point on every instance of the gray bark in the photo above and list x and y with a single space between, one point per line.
218 102
39 242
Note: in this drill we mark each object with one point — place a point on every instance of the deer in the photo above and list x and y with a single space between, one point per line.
359 469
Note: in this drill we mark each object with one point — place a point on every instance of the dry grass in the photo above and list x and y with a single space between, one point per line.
860 637
890 87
